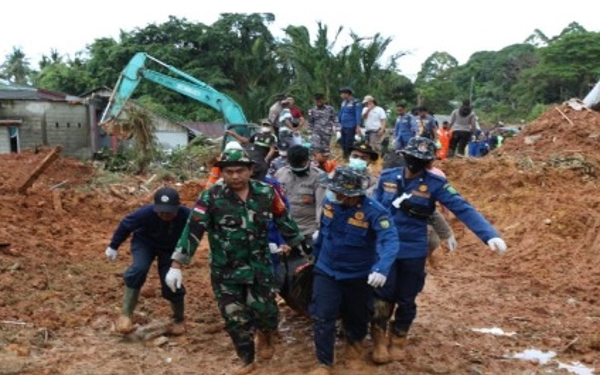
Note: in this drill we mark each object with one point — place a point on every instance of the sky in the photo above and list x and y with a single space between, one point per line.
420 28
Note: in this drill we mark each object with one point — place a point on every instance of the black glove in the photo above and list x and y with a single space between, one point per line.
305 248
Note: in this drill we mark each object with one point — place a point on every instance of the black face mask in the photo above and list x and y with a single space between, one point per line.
415 165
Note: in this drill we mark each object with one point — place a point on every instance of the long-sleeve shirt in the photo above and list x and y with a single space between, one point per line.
237 232
150 229
355 241
350 115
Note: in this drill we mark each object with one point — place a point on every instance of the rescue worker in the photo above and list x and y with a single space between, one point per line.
444 136
321 120
235 212
426 124
362 156
405 128
375 120
463 123
411 193
321 159
300 182
156 229
281 160
349 117
355 248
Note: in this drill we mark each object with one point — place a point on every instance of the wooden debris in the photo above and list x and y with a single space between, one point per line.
37 172
56 199
116 193
565 116
59 185
152 331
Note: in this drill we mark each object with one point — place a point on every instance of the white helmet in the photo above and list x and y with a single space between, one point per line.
233 145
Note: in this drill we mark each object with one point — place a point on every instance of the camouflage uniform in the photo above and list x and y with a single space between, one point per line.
321 122
241 275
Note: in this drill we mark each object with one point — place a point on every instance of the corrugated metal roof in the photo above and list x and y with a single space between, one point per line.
31 94
208 129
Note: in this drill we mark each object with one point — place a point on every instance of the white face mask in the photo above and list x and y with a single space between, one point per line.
330 195
266 129
357 164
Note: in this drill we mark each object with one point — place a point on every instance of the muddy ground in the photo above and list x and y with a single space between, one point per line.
60 296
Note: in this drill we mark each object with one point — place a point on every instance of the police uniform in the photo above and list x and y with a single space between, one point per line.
407 277
404 130
349 117
352 243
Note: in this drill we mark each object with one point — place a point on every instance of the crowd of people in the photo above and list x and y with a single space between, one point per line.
278 206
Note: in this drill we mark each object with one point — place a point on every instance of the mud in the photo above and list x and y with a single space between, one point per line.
60 296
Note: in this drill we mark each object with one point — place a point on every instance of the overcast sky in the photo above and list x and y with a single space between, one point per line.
458 27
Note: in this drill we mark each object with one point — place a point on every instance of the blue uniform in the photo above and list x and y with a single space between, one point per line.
153 238
273 234
352 243
404 130
350 116
407 277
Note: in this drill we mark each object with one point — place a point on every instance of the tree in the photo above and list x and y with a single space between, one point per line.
16 67
435 85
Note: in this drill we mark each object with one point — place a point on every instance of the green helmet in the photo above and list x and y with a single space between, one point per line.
421 148
346 181
232 157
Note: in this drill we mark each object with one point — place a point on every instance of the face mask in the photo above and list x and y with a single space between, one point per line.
265 129
300 171
415 165
330 195
358 164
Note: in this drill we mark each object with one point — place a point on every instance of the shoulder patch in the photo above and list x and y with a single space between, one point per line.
450 189
384 222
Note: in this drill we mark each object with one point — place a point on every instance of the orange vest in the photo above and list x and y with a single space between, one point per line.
444 137
213 176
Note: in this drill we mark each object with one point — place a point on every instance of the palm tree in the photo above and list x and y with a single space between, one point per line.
16 67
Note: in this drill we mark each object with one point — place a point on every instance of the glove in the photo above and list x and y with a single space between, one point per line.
376 280
273 248
315 235
452 244
111 253
174 279
497 244
398 201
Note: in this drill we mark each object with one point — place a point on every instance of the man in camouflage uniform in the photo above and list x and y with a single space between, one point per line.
321 119
235 212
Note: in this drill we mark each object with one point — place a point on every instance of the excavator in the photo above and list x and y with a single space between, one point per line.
187 85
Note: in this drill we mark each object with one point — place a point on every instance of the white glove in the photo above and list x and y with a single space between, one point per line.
452 244
111 253
174 279
376 280
398 201
497 244
273 248
315 235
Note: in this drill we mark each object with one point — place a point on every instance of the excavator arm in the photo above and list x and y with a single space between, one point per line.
186 85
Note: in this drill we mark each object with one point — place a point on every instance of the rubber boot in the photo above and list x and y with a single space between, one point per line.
264 345
130 299
381 354
354 355
246 353
397 342
177 326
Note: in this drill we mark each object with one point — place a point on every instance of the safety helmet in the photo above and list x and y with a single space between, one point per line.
420 148
346 181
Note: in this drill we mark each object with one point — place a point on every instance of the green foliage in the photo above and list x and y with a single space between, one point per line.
239 56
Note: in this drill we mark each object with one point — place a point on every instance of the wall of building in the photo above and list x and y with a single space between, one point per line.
4 140
51 124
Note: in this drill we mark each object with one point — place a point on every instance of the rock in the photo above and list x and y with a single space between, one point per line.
531 139
15 267
548 221
160 341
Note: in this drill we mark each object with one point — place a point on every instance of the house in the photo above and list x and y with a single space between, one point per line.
169 134
31 117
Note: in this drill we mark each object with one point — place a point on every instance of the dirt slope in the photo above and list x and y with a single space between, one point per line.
54 277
